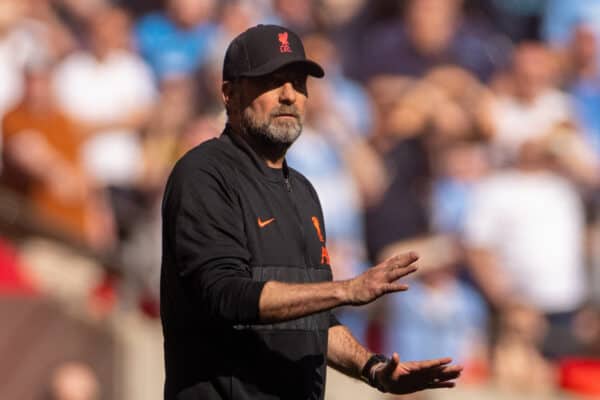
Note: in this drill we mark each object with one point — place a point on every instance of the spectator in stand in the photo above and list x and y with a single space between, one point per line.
531 106
432 32
109 90
29 32
524 234
177 42
42 154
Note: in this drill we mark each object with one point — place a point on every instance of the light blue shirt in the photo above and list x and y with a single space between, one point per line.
170 49
562 15
424 324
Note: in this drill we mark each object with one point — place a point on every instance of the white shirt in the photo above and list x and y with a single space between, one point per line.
107 91
516 122
533 222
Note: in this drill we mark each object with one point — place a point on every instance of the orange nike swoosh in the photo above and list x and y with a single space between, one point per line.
262 224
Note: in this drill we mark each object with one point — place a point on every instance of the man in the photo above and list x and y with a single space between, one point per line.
246 288
510 242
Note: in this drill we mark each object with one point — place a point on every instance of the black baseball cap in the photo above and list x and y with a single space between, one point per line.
263 49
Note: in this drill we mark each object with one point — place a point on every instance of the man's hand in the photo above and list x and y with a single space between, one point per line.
411 376
381 279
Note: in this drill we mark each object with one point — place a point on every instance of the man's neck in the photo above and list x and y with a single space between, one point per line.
272 155
101 53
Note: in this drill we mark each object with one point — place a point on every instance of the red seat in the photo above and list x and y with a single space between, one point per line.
580 375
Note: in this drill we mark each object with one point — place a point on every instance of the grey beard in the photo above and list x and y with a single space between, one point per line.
271 132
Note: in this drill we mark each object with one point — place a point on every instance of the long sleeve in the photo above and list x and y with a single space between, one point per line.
209 245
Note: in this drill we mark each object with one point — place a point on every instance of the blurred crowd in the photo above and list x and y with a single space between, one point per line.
466 130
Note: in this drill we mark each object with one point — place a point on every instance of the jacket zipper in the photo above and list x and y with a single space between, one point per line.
288 187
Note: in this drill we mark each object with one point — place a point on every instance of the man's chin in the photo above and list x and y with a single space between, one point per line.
278 133
288 139
285 135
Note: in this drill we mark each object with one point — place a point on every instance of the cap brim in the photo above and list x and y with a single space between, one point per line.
311 68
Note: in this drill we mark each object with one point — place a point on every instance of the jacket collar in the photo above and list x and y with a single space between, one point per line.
272 174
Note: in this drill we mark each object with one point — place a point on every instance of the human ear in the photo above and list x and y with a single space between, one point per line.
226 93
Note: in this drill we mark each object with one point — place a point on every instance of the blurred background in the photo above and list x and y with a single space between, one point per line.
467 130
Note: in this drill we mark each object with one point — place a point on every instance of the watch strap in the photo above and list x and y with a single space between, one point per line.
366 372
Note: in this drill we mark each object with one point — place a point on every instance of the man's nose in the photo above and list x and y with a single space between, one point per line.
287 94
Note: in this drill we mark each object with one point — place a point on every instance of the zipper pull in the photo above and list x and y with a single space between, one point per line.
287 185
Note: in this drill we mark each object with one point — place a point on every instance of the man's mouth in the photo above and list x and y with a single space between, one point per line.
287 115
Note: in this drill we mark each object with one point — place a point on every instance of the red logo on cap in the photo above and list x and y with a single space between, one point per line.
284 47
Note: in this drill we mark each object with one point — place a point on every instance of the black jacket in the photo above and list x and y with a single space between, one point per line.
231 223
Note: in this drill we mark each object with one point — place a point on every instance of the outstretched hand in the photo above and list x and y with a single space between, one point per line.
381 279
411 376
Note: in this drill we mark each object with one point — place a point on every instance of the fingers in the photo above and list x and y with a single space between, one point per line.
428 364
446 376
397 273
447 368
408 377
440 385
395 287
443 377
402 260
445 373
452 369
400 265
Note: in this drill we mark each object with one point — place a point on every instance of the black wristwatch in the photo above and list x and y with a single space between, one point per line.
369 377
